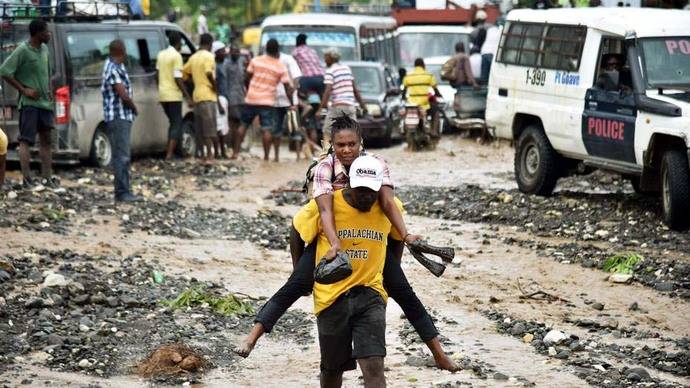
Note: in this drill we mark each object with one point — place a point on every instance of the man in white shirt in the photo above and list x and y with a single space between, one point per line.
282 105
493 36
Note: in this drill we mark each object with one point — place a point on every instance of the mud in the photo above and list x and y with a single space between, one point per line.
225 227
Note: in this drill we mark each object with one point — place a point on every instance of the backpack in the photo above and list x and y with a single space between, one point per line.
448 69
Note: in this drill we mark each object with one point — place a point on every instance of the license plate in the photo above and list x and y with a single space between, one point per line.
411 119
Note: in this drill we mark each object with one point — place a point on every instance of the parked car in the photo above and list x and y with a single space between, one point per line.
78 51
379 88
576 91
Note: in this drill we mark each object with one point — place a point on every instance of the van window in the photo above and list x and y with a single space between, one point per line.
539 45
142 50
88 52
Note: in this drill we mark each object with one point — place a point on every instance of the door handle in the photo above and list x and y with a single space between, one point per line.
503 92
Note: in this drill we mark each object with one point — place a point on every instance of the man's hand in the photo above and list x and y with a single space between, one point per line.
190 103
31 93
332 251
410 238
135 110
293 107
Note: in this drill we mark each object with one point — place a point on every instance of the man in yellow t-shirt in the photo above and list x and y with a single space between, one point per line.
3 155
201 67
418 84
171 89
351 313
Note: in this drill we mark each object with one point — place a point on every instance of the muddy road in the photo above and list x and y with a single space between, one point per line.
86 288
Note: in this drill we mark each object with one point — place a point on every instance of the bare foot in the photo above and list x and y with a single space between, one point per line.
446 363
244 350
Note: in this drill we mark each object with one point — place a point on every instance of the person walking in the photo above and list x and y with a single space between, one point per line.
118 113
233 68
27 69
3 155
310 65
219 51
340 91
201 67
266 73
283 102
171 89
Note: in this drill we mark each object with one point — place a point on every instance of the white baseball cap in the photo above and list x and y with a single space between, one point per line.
366 171
217 45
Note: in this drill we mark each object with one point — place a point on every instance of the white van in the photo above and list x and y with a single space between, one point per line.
601 88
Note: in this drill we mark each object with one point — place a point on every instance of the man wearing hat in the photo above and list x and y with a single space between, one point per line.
351 313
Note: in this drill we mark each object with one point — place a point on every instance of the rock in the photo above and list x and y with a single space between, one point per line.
98 298
634 306
610 323
576 346
112 301
563 354
81 299
75 288
54 339
527 338
554 337
597 306
129 301
35 303
84 364
189 233
83 328
642 372
4 276
620 278
602 233
552 351
500 376
634 377
12 195
54 280
664 286
518 329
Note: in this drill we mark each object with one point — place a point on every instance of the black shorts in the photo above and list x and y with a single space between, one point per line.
33 120
358 317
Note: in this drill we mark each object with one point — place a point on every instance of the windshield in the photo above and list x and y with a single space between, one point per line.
436 71
667 61
368 79
428 44
343 40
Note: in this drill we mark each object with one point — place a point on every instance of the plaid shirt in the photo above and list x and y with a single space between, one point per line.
113 108
308 61
330 175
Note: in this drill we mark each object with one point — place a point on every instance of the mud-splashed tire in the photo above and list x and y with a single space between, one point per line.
536 162
187 147
675 189
101 149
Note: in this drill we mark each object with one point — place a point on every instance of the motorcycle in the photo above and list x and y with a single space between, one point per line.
419 130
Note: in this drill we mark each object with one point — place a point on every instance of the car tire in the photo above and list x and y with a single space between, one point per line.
536 162
187 147
675 189
101 153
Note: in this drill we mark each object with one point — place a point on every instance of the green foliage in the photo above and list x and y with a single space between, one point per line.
197 296
623 263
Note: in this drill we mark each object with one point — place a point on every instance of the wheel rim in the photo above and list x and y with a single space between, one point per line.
666 192
531 160
188 145
102 149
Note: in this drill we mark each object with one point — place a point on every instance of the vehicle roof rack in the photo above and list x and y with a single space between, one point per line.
349 8
66 11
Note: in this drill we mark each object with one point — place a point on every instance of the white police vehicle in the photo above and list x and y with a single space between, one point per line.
601 88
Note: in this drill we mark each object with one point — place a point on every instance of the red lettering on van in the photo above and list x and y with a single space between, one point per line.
674 46
607 129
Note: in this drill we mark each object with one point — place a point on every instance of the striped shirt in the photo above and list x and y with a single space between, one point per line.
113 107
341 79
267 74
330 175
308 61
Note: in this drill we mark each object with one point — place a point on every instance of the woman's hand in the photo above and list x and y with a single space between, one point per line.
332 251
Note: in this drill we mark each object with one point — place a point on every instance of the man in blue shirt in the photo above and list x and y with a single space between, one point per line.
119 112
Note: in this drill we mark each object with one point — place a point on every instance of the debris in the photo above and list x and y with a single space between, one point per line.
172 359
554 337
53 279
538 294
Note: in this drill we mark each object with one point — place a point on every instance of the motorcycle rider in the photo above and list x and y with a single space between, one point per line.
416 87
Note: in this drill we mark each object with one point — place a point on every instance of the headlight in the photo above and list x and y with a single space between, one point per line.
374 109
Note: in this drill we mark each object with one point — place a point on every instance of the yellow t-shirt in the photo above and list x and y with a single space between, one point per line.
418 83
3 143
198 65
364 236
169 65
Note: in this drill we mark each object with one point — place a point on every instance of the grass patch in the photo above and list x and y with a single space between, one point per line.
623 263
197 296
